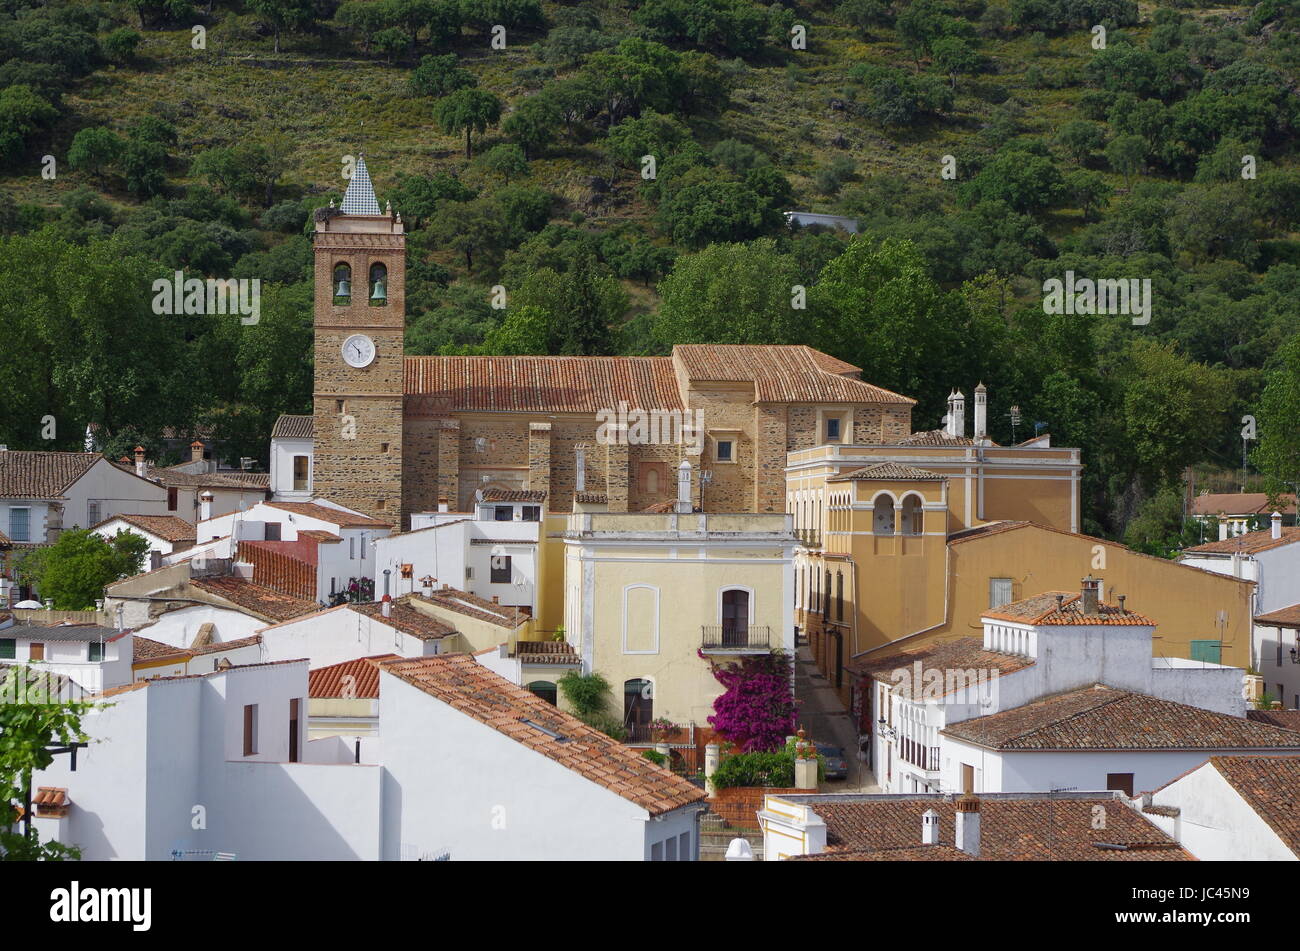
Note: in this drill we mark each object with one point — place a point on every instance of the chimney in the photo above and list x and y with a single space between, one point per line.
683 505
196 451
205 505
139 461
1090 603
981 414
929 827
443 504
386 606
948 419
426 585
1276 523
1121 602
958 421
968 825
496 599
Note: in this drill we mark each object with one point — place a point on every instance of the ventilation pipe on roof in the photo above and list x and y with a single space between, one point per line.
139 461
205 505
958 419
1091 596
929 827
683 505
1276 524
968 825
981 414
196 451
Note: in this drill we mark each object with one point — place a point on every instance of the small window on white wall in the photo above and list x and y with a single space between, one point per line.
999 592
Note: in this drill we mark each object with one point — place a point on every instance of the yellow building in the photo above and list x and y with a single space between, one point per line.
646 594
912 541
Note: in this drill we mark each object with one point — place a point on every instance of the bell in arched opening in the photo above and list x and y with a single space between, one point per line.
342 284
378 284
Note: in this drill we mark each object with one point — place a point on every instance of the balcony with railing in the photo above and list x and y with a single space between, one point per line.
737 639
809 537
918 754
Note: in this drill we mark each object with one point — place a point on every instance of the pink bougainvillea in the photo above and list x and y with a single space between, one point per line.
758 710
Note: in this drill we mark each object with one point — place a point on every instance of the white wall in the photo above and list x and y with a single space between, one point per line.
339 634
179 628
1214 823
282 452
446 551
118 493
457 785
156 543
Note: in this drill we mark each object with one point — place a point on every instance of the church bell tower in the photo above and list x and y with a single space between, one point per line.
360 322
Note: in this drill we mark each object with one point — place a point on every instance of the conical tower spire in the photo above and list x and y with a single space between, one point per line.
360 198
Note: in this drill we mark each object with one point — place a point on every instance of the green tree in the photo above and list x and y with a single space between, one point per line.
533 124
1127 154
475 229
732 293
584 305
1081 139
29 731
1278 452
75 569
94 149
283 15
22 112
439 75
468 110
506 160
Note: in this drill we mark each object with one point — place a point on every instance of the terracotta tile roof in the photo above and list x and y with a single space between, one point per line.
406 619
514 495
782 374
1045 609
1282 617
889 471
933 437
4 539
319 535
329 683
471 605
331 515
988 528
256 598
1240 503
547 652
1286 719
462 683
216 480
1015 827
1270 785
539 384
963 654
146 648
218 646
915 853
1103 718
167 527
1250 543
63 631
289 426
41 475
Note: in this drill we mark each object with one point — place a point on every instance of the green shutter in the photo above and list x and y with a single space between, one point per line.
8 648
1206 651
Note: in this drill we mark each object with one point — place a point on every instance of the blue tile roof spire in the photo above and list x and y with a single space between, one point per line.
360 198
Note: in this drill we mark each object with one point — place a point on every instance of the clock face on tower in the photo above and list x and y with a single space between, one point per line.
358 351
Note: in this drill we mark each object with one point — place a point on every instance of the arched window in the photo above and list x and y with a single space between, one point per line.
638 707
839 596
378 285
342 284
652 481
544 689
912 520
882 522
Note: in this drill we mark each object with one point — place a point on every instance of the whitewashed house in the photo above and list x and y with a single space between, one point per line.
198 489
310 549
492 553
90 655
500 774
292 441
1062 691
164 533
1232 808
1271 559
467 766
349 631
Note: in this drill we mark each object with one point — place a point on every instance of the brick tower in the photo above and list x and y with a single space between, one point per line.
360 319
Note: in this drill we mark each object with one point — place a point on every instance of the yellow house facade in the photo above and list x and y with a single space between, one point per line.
651 598
913 541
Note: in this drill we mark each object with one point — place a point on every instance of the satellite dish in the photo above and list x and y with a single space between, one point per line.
29 604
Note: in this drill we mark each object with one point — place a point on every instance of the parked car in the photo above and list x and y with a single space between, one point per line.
836 766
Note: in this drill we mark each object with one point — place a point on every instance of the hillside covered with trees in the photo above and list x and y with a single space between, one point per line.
620 169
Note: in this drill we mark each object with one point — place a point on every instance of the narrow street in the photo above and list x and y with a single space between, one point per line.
826 720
